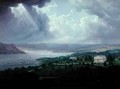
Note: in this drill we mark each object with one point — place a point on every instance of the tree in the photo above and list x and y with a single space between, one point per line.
88 58
110 59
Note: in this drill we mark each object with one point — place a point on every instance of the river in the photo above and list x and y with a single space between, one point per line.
28 59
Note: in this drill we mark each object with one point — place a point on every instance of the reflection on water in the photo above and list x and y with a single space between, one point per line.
28 59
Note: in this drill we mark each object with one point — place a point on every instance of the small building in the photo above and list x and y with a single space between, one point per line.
73 58
100 59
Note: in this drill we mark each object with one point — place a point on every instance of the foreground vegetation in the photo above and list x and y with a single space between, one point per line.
62 72
83 77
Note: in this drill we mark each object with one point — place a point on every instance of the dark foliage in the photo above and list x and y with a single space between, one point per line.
83 77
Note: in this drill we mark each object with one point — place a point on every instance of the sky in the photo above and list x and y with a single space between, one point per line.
60 21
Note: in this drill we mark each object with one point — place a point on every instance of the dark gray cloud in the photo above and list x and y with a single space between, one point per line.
9 3
22 29
108 11
5 4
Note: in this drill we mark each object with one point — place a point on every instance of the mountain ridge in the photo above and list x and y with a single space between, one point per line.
9 49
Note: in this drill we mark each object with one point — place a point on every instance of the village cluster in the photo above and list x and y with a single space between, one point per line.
98 60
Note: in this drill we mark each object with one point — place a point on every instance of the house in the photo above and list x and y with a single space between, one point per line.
73 58
100 59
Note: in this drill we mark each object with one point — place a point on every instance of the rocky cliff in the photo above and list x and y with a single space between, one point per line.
9 49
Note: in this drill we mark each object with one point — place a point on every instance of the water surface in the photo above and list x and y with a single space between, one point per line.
28 59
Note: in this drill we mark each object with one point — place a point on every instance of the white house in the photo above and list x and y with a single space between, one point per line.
73 58
100 59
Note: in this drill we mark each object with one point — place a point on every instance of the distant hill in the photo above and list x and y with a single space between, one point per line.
70 47
9 49
114 52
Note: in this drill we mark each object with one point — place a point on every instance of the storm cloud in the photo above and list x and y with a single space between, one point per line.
60 21
23 23
5 4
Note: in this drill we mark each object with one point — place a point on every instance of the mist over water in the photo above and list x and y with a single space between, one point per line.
28 59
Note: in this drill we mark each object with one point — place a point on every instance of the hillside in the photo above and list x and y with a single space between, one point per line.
9 49
70 47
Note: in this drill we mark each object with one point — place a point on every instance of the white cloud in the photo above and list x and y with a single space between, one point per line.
68 29
84 21
47 9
